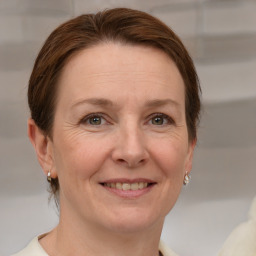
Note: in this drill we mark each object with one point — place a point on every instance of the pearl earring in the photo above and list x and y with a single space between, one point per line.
187 178
49 178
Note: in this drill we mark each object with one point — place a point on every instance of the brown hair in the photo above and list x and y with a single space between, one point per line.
122 25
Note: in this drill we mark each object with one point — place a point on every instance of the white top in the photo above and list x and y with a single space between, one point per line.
35 249
242 240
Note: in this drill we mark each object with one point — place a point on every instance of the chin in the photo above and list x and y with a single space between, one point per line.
135 221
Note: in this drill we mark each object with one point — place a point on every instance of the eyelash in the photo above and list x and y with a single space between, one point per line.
164 116
150 118
87 118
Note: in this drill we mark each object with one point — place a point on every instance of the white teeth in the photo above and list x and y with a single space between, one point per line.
127 186
134 186
118 185
141 185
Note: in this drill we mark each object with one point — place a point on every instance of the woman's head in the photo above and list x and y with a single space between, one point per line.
119 26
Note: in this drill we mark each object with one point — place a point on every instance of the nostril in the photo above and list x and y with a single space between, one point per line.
121 160
131 163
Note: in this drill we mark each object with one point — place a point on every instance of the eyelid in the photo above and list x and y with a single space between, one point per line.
170 119
87 117
103 116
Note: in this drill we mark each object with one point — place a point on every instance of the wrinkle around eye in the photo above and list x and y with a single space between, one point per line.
79 130
177 133
73 127
73 133
170 131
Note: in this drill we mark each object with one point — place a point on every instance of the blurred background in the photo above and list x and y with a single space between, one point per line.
221 37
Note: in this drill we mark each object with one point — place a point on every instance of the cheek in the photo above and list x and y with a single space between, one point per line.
80 157
171 157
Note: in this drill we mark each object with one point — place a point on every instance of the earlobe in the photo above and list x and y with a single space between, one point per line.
43 147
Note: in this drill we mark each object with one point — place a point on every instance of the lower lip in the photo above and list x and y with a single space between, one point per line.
131 194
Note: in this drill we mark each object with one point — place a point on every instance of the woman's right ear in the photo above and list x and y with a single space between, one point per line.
42 146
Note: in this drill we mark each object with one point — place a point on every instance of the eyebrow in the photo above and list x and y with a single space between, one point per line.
107 103
94 101
159 103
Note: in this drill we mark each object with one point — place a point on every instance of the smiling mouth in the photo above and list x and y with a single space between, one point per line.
125 186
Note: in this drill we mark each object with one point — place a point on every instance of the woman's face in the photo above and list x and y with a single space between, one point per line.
120 142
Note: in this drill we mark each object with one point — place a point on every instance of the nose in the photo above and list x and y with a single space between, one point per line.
130 149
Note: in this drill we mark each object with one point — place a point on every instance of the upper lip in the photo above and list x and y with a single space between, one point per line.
125 180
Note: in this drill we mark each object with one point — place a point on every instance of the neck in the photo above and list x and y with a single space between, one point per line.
83 239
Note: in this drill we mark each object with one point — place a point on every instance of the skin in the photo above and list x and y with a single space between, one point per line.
140 134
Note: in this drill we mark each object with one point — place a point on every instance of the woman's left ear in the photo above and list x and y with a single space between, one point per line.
189 161
43 147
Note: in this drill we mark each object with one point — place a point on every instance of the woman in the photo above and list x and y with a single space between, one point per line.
114 100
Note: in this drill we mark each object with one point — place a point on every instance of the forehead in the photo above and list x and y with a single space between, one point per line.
124 69
114 56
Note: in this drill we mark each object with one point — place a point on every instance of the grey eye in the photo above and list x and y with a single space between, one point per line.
158 120
95 120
